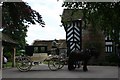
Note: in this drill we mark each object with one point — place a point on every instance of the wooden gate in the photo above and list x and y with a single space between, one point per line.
73 35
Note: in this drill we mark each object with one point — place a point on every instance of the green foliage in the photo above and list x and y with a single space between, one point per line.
102 15
8 55
16 17
111 58
17 13
7 65
19 52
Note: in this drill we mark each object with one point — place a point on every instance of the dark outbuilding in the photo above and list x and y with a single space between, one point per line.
5 41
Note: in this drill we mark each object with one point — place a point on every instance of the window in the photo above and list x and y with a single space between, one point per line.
36 50
42 49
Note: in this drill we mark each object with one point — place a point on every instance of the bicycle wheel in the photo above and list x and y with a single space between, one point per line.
53 64
23 63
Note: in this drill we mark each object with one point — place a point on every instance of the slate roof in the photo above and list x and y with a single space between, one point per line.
7 39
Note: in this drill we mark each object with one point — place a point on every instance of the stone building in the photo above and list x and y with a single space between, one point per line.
62 44
90 36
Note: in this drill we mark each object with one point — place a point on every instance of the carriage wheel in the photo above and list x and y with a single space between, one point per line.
24 63
53 64
61 64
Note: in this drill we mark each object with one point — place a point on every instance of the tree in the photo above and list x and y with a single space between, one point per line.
15 13
16 17
102 15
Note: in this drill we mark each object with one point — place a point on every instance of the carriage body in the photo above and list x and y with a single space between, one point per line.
36 54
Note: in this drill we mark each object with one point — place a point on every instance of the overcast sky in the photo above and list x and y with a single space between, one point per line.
50 11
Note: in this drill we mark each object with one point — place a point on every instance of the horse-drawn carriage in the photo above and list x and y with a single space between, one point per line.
39 54
36 55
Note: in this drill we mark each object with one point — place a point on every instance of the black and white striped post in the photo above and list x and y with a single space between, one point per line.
73 35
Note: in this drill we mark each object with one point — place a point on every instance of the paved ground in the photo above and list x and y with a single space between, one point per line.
43 71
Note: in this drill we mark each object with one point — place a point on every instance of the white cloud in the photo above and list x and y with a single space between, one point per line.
50 11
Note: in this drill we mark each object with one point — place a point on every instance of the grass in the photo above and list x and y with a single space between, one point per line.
7 65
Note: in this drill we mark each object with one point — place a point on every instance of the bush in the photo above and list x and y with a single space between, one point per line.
8 55
111 58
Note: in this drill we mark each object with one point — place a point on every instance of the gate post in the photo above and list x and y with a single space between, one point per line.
1 60
14 53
